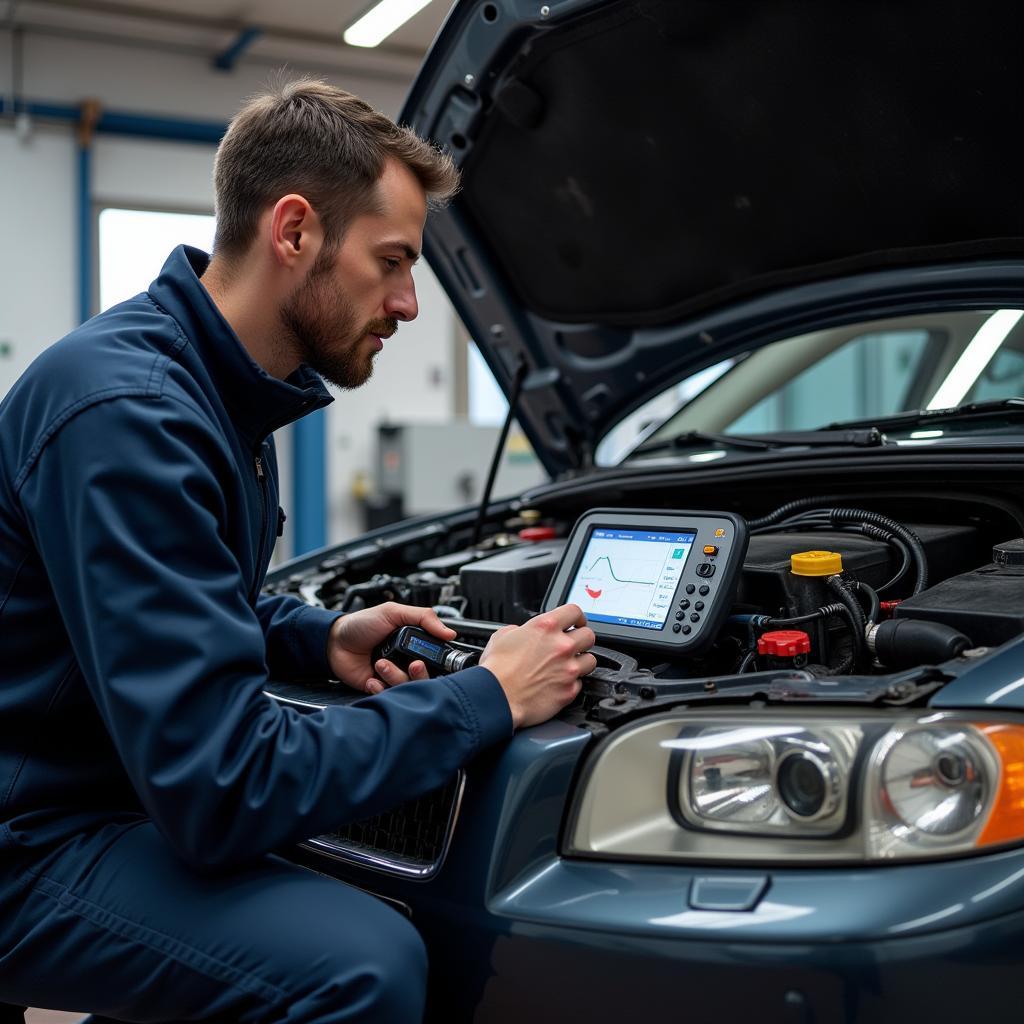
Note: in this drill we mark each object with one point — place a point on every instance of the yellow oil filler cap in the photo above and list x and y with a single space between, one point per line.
816 563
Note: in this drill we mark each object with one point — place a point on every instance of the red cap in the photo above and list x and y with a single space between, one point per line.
538 533
784 643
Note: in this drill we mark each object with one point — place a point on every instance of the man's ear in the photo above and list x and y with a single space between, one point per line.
295 233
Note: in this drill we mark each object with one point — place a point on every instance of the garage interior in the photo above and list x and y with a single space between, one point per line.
859 399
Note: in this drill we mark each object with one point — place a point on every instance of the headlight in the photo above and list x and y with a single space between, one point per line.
803 786
768 779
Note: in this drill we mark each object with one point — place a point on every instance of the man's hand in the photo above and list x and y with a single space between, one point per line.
353 637
539 664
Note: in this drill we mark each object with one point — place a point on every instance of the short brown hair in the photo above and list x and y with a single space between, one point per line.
310 138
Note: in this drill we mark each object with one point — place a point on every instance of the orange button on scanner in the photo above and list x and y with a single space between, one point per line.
710 549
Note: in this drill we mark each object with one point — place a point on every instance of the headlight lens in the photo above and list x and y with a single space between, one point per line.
768 779
733 782
934 779
805 787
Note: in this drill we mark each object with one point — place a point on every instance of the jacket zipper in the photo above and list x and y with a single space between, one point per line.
262 481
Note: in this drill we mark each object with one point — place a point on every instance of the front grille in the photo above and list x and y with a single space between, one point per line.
411 839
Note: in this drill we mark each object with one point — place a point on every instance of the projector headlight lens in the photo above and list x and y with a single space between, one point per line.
808 785
771 779
774 787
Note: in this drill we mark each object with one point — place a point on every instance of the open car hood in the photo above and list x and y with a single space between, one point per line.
633 168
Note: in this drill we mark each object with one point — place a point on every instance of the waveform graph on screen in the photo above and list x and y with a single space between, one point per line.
629 576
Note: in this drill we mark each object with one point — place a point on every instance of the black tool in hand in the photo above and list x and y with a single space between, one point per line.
411 643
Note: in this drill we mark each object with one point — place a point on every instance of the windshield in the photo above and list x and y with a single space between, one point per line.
843 374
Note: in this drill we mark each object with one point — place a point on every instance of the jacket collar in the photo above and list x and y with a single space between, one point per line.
259 403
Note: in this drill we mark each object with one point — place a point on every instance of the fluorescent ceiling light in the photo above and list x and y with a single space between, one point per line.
380 21
979 352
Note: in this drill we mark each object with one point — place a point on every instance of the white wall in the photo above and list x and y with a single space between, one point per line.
38 262
38 207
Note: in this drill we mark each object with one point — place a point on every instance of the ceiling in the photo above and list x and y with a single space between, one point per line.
300 31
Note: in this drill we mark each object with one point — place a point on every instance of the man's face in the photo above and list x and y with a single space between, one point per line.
353 297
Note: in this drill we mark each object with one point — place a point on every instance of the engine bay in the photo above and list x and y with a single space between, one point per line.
836 598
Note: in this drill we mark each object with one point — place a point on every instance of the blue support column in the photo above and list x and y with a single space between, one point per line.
309 485
88 116
85 248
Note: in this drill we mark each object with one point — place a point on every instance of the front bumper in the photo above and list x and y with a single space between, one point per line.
518 933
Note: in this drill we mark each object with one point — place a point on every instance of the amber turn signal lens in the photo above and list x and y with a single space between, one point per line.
1006 819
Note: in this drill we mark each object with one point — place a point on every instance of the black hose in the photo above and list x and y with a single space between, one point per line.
845 665
904 564
793 506
875 605
826 611
856 617
746 662
911 539
869 523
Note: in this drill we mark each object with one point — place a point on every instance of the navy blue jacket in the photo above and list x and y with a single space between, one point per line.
138 509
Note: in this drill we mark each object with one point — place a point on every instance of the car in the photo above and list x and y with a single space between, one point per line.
752 277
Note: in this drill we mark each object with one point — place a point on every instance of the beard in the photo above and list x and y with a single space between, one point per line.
321 322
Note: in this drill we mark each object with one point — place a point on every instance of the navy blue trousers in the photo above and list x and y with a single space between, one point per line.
116 925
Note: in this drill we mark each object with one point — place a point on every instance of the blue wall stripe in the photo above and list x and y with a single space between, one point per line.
120 123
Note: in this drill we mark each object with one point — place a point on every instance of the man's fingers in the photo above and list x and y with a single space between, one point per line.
567 615
586 663
427 618
407 615
390 673
583 638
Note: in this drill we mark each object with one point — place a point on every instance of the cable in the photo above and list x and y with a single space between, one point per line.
826 611
871 524
911 539
904 564
793 506
857 620
876 606
746 662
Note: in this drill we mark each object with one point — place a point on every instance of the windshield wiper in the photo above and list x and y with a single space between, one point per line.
868 437
1013 407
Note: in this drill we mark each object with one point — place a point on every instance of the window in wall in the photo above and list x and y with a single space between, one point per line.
488 407
133 245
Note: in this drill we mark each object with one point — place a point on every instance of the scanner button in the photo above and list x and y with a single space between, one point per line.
680 615
684 603
706 569
676 627
710 549
687 629
704 590
690 588
699 606
694 617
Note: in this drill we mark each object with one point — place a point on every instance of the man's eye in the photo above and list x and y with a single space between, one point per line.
392 263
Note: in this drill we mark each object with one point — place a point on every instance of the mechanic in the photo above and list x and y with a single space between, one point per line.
146 777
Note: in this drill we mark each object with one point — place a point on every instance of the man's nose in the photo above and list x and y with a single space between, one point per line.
401 303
